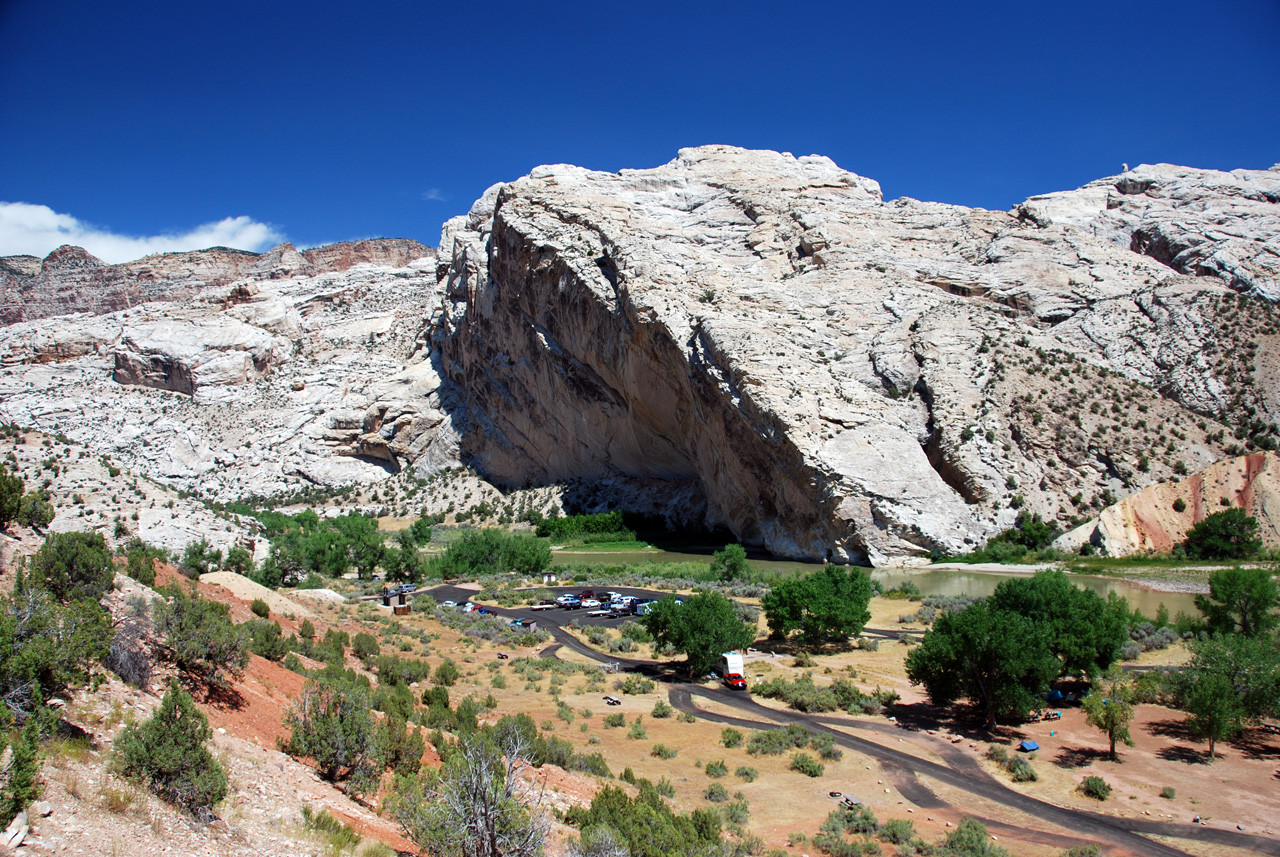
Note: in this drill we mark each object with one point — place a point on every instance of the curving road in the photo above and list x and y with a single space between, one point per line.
959 770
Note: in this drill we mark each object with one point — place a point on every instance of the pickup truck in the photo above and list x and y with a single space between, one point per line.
543 605
572 604
735 681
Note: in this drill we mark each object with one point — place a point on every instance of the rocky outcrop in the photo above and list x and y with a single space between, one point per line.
70 280
1156 519
844 377
183 356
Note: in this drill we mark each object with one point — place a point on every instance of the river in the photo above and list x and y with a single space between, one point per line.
931 581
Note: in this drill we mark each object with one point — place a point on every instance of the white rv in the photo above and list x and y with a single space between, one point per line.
730 663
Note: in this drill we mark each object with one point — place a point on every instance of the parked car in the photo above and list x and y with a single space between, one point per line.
448 603
468 607
586 593
565 599
590 603
735 681
572 604
483 610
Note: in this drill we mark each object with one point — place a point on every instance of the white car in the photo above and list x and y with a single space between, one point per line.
448 603
590 604
565 599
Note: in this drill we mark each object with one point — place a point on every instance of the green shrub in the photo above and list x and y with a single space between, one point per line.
716 769
637 731
1168 793
168 754
365 647
662 710
73 566
615 721
266 640
898 831
259 608
447 674
730 737
636 685
1095 787
716 793
746 774
807 765
1021 771
662 751
775 742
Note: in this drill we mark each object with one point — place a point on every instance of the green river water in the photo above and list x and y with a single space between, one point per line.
931 581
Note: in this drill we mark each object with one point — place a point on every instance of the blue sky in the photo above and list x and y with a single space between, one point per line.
327 121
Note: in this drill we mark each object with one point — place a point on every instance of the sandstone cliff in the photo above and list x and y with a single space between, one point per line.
831 375
71 280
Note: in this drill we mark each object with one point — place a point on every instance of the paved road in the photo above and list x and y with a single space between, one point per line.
960 770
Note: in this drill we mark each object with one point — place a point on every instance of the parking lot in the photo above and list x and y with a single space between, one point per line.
553 616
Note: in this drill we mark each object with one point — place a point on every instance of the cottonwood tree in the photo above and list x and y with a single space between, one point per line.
730 563
483 802
701 628
1240 601
998 660
1109 706
831 603
1085 632
1230 681
1229 534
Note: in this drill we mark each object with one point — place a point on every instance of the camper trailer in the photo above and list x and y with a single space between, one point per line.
730 663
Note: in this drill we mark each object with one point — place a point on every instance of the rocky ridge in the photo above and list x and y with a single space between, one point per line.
737 338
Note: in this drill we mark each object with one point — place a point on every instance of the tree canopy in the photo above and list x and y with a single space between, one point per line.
999 660
204 642
1084 631
831 603
730 563
702 628
492 551
1229 534
1231 680
1240 600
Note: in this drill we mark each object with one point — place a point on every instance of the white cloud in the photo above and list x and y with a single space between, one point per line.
35 230
434 194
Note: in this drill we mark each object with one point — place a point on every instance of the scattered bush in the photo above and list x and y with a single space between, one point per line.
1168 793
716 769
1095 787
897 831
662 710
637 731
807 765
746 774
1021 771
662 751
259 608
615 721
202 639
730 737
635 685
716 793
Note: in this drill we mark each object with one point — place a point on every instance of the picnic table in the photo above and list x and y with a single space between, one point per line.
612 700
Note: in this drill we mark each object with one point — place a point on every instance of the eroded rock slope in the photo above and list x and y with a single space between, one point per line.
832 375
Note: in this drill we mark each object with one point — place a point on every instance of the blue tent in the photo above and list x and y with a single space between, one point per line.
1054 695
1028 746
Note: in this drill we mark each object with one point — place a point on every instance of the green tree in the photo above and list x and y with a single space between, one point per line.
1230 681
831 603
493 552
998 660
730 563
1109 706
204 642
703 627
482 803
405 563
74 566
1084 631
1229 534
330 724
1240 600
266 639
35 510
10 496
239 560
168 753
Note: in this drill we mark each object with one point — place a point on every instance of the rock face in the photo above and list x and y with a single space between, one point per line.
70 280
1148 522
737 338
837 376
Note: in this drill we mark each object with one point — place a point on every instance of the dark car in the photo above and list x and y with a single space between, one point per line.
587 593
572 604
735 681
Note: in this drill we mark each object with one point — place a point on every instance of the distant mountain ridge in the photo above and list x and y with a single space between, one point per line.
71 280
